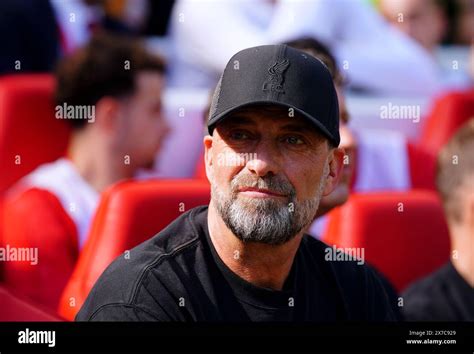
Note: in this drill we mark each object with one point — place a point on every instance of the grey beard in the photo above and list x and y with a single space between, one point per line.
268 221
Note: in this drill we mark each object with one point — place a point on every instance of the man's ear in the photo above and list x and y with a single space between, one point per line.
107 113
335 162
208 140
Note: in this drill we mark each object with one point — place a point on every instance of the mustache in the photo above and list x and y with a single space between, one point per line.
273 183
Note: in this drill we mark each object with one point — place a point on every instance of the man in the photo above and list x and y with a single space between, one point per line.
448 294
29 36
271 156
110 93
426 22
348 140
423 20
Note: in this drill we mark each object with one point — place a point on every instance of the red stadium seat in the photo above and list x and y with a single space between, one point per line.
2 242
35 219
128 214
449 113
404 235
19 310
422 164
29 133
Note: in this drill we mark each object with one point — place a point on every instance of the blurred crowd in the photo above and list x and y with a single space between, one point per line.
383 47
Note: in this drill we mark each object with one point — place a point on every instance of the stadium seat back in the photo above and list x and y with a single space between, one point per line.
128 214
29 133
422 164
2 241
19 310
403 234
449 113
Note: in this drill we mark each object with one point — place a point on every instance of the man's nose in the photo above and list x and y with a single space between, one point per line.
265 160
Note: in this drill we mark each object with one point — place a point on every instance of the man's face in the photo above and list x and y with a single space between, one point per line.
143 126
348 139
268 172
422 20
349 144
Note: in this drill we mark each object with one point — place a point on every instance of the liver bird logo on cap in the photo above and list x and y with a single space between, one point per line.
275 79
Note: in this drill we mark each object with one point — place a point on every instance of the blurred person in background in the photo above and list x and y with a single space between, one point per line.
348 140
448 294
142 17
426 21
464 30
36 33
373 161
423 20
376 57
29 36
79 19
110 92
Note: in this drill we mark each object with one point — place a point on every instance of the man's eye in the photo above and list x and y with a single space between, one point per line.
294 140
239 135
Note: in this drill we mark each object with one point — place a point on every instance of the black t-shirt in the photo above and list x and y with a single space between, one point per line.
178 276
442 296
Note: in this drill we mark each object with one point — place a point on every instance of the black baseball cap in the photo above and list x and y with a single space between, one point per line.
278 75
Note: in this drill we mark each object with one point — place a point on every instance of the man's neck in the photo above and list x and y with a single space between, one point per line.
260 264
97 165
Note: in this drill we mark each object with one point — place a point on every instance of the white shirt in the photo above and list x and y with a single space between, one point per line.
77 197
206 33
375 56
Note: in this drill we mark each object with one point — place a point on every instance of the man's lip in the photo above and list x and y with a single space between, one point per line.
262 191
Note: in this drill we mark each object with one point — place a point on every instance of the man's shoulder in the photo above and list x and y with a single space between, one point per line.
429 283
422 299
122 282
